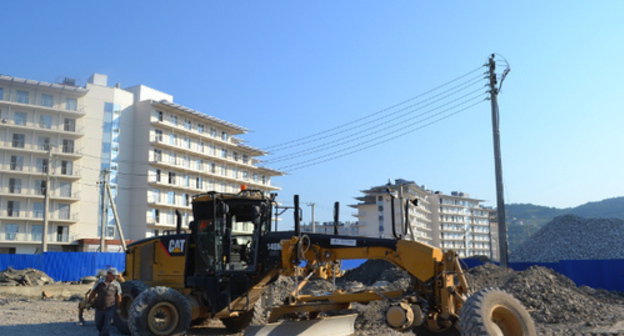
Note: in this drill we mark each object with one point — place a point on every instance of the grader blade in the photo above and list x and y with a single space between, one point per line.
342 325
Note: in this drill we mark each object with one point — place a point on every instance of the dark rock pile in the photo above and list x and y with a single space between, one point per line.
25 277
549 296
573 238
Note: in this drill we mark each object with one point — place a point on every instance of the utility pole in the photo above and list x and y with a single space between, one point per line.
116 216
46 204
311 205
103 210
500 200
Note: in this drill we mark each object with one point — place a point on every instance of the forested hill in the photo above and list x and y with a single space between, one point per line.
525 219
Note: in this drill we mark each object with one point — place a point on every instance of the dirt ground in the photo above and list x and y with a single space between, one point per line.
26 317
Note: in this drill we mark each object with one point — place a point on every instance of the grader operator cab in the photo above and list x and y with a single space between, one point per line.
221 268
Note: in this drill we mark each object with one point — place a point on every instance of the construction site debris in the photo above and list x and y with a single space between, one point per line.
574 238
548 296
25 277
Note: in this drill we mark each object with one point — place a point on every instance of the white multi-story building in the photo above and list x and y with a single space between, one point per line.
375 216
344 228
463 223
156 155
453 221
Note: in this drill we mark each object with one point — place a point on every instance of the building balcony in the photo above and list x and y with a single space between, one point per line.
214 176
41 128
36 171
34 239
34 193
38 217
154 141
36 149
159 204
79 111
180 129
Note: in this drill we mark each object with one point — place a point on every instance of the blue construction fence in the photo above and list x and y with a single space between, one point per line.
65 266
71 266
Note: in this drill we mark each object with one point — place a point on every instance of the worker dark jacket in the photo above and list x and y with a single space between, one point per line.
106 294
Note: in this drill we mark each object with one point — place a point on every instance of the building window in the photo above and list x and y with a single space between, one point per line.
187 124
156 216
66 167
39 187
224 153
18 140
199 165
245 158
159 135
15 186
68 146
47 100
200 128
19 118
38 209
1 93
186 200
157 175
157 155
173 158
213 168
187 181
172 177
213 132
71 104
36 232
63 211
22 97
171 197
10 231
17 162
69 125
45 121
173 139
43 143
224 136
174 120
62 233
199 183
65 189
380 207
13 208
160 116
42 165
235 156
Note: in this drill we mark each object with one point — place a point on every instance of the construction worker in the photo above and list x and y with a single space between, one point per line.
107 296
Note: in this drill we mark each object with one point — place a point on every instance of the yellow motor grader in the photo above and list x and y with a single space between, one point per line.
220 271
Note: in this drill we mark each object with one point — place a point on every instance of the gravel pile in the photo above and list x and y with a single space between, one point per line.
549 297
576 238
25 277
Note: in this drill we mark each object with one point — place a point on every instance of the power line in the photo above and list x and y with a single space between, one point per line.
442 95
355 149
348 138
376 112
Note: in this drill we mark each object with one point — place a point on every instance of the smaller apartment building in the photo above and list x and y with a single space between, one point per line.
375 216
463 224
454 221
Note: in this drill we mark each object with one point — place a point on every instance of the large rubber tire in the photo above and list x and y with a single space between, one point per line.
494 312
159 311
254 316
129 291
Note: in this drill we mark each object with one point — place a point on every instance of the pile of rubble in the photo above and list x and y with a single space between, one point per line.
549 296
573 238
25 277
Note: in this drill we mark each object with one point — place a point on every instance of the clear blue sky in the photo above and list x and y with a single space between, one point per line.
285 69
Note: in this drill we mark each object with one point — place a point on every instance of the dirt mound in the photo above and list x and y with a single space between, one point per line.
572 237
25 277
549 296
